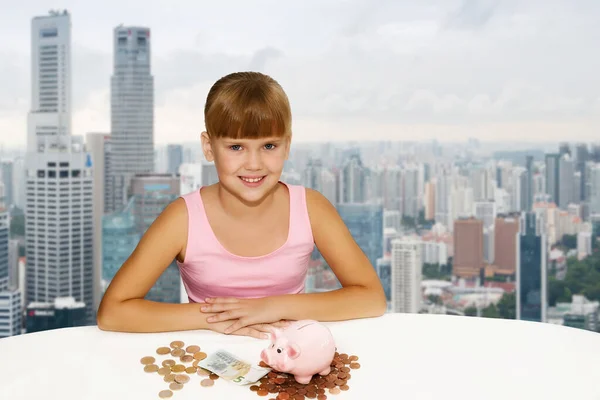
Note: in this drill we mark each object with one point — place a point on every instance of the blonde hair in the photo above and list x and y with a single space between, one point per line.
247 105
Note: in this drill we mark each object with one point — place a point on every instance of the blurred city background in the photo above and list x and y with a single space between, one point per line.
485 226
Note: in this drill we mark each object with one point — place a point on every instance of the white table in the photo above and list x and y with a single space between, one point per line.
415 356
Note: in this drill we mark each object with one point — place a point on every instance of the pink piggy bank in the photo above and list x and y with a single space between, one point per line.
303 349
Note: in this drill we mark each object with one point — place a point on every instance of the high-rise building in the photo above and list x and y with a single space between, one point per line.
58 208
443 201
532 296
317 177
468 248
528 190
552 176
99 148
132 110
10 296
430 201
582 156
365 222
411 194
6 177
594 188
352 182
174 158
566 186
406 270
505 244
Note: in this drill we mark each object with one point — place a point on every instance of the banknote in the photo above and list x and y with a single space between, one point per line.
232 368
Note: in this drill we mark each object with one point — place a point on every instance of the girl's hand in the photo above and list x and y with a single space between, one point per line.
246 311
258 331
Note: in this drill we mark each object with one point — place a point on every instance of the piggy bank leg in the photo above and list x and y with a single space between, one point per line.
326 371
303 379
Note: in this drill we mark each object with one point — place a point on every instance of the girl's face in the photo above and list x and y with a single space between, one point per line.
248 168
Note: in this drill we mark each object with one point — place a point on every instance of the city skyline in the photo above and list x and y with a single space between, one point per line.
372 72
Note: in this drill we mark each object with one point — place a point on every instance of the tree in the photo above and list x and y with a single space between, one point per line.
471 311
507 306
490 312
558 291
569 241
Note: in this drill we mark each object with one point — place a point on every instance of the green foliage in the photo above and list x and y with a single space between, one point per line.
435 271
507 306
583 277
569 241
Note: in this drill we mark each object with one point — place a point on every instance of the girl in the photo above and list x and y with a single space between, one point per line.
243 244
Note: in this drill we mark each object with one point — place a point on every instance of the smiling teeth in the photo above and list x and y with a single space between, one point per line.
253 180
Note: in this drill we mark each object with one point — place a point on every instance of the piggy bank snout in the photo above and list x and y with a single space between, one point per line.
264 356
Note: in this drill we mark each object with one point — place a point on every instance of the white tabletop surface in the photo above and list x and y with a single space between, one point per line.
410 355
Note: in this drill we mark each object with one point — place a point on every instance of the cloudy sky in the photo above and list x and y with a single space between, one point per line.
353 69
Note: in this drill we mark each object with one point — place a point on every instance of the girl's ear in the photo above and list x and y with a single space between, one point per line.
207 147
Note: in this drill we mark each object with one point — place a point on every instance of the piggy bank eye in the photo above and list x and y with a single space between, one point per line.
279 350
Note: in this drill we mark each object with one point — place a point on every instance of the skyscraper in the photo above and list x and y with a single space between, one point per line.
365 223
132 111
468 248
532 298
552 176
353 179
58 208
406 269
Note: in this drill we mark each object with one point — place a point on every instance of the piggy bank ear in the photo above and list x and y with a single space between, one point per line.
274 333
293 351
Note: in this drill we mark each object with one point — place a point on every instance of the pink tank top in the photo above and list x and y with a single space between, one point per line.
209 270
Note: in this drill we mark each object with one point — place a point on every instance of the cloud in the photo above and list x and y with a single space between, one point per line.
394 66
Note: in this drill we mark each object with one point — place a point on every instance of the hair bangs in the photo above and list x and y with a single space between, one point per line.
247 106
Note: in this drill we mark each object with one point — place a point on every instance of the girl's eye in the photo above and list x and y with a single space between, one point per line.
270 146
235 147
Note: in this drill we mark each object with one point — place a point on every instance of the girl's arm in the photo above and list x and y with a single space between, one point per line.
361 294
123 307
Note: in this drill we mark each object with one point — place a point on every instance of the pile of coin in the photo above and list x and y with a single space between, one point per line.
286 387
175 372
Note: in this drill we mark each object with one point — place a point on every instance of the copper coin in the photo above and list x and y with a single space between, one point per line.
190 370
345 369
340 382
263 364
355 365
187 358
342 375
254 388
177 344
200 355
182 378
165 394
262 392
302 392
178 353
207 382
178 368
335 390
169 378
163 351
192 349
322 397
283 396
168 363
164 371
214 377
344 387
175 386
339 365
147 360
203 372
353 358
151 368
330 385
311 395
